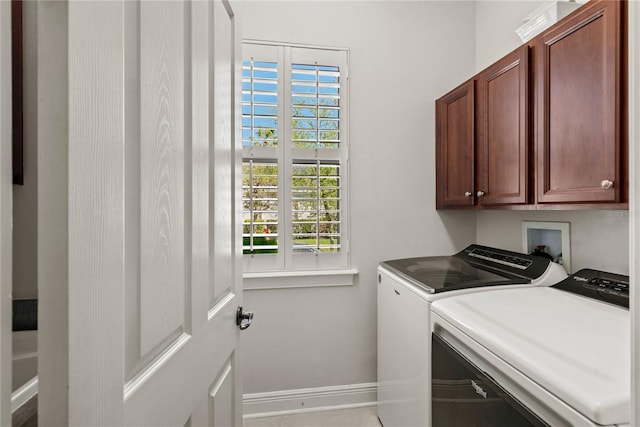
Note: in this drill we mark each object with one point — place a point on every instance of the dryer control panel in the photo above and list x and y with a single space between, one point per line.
608 287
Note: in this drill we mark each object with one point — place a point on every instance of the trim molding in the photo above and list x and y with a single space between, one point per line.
297 401
298 279
634 202
23 394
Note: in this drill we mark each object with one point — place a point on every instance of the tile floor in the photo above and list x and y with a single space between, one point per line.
356 417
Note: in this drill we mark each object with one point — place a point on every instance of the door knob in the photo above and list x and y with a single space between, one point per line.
480 194
606 184
467 194
243 318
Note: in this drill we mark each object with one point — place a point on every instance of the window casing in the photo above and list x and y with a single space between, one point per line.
295 154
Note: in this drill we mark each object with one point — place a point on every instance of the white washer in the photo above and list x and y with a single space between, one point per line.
562 352
406 289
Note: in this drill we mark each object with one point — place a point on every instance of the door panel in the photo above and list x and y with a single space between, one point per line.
581 51
503 130
215 407
579 69
455 147
164 60
154 282
221 398
222 155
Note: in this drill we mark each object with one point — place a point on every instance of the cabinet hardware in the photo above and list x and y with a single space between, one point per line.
606 184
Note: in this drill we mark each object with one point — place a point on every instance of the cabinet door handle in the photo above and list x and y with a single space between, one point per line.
480 194
606 184
467 194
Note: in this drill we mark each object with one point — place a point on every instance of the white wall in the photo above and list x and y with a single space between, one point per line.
404 55
496 23
599 239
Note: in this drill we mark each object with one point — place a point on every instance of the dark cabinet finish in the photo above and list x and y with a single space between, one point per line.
503 132
482 137
545 127
579 96
455 147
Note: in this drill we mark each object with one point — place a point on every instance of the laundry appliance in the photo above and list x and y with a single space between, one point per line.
406 290
544 356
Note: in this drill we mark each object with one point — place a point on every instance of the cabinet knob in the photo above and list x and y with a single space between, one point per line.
480 194
467 194
606 184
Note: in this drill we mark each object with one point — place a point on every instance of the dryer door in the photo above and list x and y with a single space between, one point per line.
463 395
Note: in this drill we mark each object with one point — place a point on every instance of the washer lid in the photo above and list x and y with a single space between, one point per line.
576 348
448 273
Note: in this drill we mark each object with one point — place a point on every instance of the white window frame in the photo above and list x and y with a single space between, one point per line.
286 260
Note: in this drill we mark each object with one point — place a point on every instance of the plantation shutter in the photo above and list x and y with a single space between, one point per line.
294 127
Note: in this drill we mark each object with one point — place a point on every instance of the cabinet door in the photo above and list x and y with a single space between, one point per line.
503 131
579 95
455 147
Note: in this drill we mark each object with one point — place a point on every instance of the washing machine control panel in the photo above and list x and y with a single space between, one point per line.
516 264
503 258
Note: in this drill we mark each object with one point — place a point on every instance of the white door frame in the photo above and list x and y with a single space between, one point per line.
634 202
53 172
6 209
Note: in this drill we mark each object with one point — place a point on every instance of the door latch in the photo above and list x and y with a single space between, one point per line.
243 318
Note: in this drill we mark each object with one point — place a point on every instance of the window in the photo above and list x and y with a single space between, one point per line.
294 147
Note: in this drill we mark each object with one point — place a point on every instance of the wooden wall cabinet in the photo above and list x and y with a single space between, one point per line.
482 137
545 127
580 100
455 147
503 131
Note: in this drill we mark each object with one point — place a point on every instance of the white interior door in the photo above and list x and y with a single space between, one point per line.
5 213
154 277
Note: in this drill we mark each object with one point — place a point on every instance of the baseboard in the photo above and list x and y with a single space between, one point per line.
23 394
309 400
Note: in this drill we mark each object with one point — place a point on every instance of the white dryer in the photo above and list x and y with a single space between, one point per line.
406 289
552 356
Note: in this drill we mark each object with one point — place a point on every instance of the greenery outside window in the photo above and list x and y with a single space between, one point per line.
295 154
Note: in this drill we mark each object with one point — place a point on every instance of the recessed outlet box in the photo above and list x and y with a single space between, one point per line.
554 236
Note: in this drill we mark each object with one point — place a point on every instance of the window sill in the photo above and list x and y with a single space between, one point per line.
298 279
